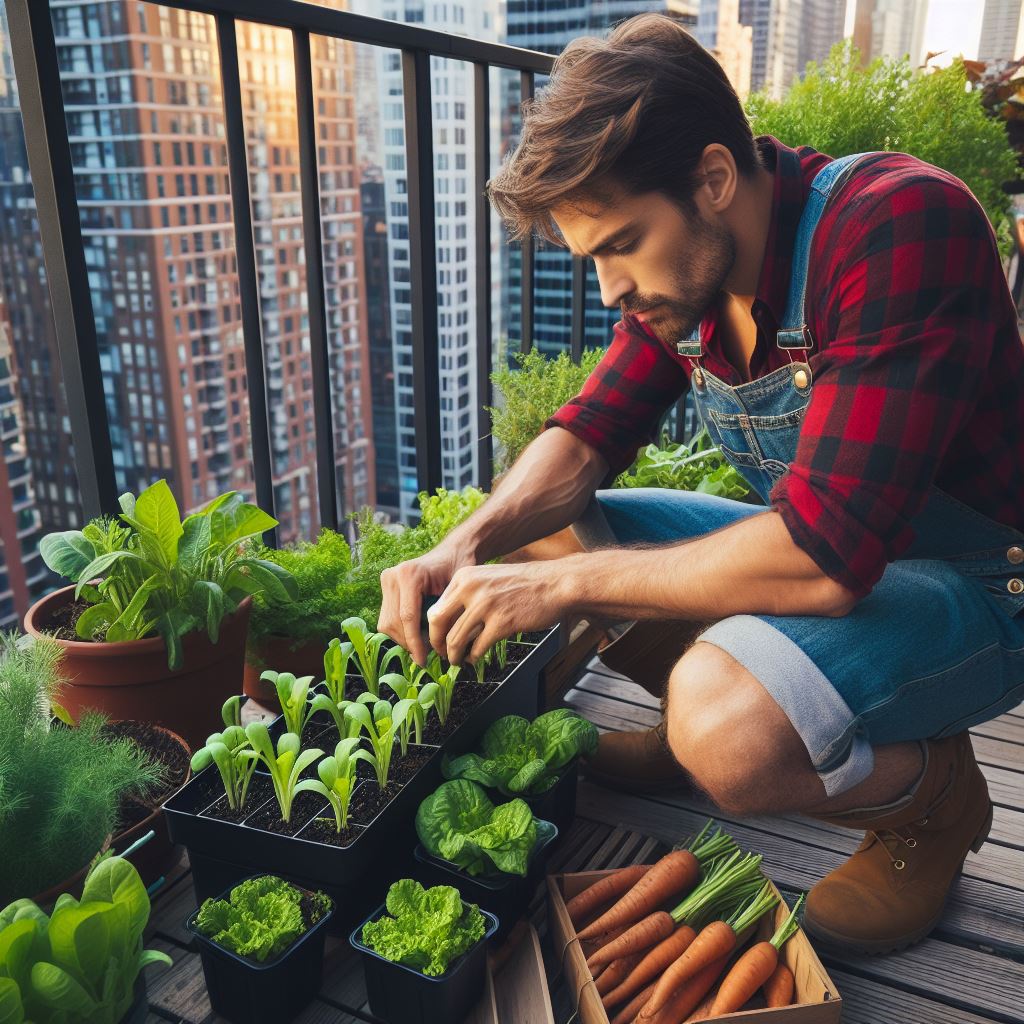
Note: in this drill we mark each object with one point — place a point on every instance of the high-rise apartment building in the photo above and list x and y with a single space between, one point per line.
891 28
1002 30
452 100
142 94
720 30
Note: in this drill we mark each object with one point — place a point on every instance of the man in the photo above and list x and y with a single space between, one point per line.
851 344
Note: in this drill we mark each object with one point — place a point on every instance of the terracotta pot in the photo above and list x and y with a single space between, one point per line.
131 680
278 653
152 861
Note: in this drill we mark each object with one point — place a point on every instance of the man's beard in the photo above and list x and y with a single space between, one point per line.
699 275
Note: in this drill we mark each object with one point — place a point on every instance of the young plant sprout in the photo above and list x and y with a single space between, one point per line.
293 693
410 669
422 701
285 764
336 658
230 752
367 647
346 726
445 685
231 712
338 779
481 663
381 723
500 652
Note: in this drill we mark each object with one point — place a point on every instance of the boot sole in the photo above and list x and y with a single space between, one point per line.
835 942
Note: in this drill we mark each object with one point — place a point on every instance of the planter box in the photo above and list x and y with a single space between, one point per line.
357 876
507 897
400 995
248 992
816 999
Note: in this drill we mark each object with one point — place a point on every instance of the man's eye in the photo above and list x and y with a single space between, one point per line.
625 250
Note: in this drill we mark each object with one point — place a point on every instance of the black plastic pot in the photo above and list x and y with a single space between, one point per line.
400 995
356 877
139 1010
247 992
558 804
507 897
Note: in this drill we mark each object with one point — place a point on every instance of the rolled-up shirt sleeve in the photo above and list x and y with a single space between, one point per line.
624 398
912 322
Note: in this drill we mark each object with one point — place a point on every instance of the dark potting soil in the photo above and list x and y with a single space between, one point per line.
63 620
494 673
260 790
369 799
534 637
404 768
322 830
468 694
268 817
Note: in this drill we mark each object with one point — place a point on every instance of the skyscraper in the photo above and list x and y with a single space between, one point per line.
1002 30
893 28
141 88
720 30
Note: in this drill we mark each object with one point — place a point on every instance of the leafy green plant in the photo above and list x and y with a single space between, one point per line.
459 824
338 779
60 787
336 661
78 965
293 695
380 722
346 726
285 764
323 591
426 929
163 574
421 701
523 758
261 917
229 751
839 107
445 678
529 394
366 646
697 466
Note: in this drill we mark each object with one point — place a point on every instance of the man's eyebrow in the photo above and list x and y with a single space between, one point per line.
607 243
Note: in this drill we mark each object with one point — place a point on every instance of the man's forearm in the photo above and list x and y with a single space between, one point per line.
750 567
546 490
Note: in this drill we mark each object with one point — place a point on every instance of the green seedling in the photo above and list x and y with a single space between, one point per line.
422 699
367 649
336 661
338 779
293 693
381 723
230 751
285 764
445 679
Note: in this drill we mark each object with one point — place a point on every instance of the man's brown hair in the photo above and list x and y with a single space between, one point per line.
634 110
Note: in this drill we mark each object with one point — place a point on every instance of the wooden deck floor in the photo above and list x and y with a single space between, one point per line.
970 971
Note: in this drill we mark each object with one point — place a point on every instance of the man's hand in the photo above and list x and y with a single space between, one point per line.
404 586
484 604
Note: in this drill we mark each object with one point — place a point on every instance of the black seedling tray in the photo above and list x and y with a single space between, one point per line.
356 877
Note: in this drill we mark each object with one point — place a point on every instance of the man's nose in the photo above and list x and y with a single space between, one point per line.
615 286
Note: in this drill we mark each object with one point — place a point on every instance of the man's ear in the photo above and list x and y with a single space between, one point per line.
720 178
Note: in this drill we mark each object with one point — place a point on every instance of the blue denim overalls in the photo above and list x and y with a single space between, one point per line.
937 646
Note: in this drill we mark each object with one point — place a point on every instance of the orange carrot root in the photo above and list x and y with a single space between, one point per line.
684 1000
778 989
653 963
714 941
628 1013
591 946
615 972
677 872
638 939
748 974
603 891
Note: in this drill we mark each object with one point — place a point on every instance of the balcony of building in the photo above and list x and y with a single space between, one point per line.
969 971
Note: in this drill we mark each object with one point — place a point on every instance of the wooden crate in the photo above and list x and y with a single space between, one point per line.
816 998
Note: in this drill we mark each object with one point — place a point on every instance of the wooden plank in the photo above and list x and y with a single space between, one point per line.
982 914
869 1002
1003 728
180 989
520 987
1006 788
1000 753
562 671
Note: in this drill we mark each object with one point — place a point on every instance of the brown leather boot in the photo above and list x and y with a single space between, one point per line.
892 891
635 762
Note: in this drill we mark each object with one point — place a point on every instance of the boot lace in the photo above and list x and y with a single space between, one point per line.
884 836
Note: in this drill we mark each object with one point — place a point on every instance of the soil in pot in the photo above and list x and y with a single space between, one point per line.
369 800
63 620
261 789
268 818
404 768
494 673
322 830
161 747
467 694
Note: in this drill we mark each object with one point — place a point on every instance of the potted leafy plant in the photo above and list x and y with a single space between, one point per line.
83 963
424 954
294 637
532 760
262 947
62 788
493 854
154 626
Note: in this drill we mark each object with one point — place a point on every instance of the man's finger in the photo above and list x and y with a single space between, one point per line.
409 613
440 618
461 635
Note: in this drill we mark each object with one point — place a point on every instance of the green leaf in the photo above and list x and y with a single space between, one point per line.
126 625
196 541
57 989
99 566
95 619
157 511
116 880
275 582
12 1010
232 522
19 947
210 598
67 553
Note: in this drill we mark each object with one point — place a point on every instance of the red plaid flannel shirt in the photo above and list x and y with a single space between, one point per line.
918 364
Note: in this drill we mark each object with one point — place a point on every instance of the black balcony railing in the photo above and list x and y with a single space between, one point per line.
49 153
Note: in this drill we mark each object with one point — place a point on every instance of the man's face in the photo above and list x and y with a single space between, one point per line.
654 259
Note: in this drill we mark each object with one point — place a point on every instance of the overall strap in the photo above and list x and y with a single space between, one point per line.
794 333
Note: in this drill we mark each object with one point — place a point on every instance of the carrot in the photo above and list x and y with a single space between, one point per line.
628 1013
593 945
778 989
677 872
610 976
603 891
754 968
714 941
654 963
685 999
638 939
